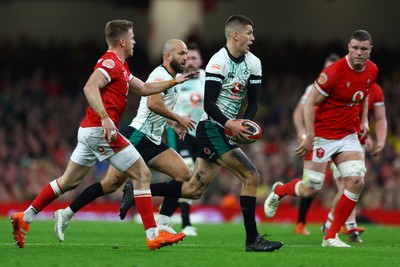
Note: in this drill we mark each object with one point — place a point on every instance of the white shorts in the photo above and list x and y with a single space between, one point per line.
325 149
92 146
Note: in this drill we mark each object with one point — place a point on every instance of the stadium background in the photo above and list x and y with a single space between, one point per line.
48 50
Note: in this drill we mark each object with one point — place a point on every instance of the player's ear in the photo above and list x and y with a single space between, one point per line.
235 35
122 41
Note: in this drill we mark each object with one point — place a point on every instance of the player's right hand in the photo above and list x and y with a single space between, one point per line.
109 129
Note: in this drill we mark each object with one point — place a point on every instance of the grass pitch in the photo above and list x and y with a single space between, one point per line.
123 244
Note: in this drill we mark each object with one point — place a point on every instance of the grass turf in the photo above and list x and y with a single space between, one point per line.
123 244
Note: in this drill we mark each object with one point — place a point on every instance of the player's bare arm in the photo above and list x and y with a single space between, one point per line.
92 92
364 127
380 129
157 105
313 99
298 121
145 89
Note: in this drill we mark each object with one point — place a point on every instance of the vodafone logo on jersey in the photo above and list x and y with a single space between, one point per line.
195 99
236 88
358 96
207 151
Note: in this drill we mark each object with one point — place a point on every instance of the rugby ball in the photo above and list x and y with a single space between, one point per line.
248 125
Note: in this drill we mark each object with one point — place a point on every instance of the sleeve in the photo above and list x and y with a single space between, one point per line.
212 89
253 97
326 80
379 98
109 68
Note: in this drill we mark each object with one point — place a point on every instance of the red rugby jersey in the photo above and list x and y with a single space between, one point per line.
344 88
114 94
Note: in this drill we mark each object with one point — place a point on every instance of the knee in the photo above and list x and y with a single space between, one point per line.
109 188
145 176
252 179
112 182
66 184
308 192
355 183
183 176
186 177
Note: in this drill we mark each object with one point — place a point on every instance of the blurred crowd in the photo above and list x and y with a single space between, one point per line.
42 104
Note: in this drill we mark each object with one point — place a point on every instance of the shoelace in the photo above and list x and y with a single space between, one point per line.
274 201
263 238
64 226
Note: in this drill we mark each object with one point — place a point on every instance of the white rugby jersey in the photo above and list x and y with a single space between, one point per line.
148 122
191 98
234 75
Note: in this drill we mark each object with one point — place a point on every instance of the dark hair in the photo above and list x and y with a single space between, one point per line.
240 19
361 35
193 46
332 58
115 29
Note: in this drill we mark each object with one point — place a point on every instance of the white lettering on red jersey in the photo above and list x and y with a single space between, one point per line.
114 94
344 88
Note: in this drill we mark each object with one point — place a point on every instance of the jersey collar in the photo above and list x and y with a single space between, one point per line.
351 67
234 59
116 55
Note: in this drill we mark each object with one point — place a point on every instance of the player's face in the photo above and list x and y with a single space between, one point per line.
178 60
129 43
246 38
193 61
359 52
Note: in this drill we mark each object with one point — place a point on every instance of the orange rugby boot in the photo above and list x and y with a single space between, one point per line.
301 229
20 228
358 229
164 239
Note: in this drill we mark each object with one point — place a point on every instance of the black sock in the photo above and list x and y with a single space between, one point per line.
248 205
304 206
169 206
185 213
88 195
171 188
